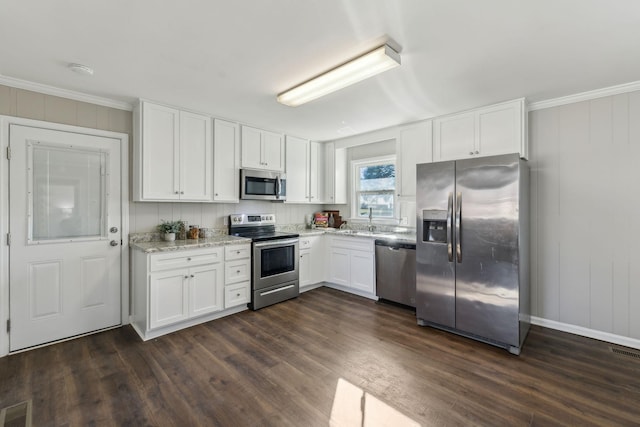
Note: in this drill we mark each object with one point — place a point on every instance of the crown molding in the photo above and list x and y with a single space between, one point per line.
64 93
585 96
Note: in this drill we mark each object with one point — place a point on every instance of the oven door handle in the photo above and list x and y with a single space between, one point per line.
274 243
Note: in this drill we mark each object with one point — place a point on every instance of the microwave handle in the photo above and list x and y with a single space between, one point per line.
278 186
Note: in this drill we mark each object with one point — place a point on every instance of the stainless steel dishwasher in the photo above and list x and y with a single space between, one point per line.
396 271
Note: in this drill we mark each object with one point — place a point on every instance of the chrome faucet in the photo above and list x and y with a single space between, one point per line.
371 227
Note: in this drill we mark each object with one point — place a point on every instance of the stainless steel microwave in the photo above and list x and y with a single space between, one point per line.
262 185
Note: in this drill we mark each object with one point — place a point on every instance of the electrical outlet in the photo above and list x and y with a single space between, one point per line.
225 220
404 220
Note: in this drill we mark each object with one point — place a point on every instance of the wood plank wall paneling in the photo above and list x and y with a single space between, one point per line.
585 202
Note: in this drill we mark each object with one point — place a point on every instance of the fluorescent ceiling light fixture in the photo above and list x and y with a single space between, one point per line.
368 65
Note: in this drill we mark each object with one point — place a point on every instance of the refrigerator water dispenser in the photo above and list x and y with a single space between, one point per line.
434 226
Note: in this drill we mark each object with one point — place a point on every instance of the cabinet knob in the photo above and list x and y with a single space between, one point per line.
192 275
177 192
477 152
471 153
182 192
238 271
186 277
188 259
216 194
237 295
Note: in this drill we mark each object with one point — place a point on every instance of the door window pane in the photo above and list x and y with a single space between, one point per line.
68 193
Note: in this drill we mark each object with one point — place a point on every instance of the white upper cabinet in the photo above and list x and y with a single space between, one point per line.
173 155
226 161
335 174
297 176
306 182
317 171
497 129
262 149
413 146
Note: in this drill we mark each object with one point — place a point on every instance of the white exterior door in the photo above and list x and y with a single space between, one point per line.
66 228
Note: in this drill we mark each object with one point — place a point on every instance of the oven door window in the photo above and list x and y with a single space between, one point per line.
260 186
277 260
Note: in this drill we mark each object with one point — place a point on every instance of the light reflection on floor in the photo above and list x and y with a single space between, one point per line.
352 407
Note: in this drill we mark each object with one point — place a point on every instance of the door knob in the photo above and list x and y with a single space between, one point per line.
113 230
113 243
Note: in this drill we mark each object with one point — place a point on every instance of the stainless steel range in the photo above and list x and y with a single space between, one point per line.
274 263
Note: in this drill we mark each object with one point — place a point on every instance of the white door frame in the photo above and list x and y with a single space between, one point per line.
5 122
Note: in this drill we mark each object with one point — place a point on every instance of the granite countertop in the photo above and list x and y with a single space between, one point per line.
181 245
408 237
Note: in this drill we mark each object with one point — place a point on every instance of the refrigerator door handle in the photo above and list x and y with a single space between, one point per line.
458 226
449 228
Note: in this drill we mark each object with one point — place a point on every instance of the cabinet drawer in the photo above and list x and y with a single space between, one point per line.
237 271
358 244
188 258
237 294
237 252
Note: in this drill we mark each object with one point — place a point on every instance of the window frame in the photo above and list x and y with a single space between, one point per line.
355 186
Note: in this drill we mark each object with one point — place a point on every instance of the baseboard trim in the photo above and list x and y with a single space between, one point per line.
586 332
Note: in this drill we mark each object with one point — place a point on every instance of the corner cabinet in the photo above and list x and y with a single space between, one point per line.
173 154
335 174
305 171
488 131
226 161
262 149
177 289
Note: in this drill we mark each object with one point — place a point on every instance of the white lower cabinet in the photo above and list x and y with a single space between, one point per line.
351 264
237 275
174 290
311 265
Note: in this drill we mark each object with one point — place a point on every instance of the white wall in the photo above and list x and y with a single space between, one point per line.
585 210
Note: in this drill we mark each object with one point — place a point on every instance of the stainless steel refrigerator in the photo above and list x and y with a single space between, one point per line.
472 259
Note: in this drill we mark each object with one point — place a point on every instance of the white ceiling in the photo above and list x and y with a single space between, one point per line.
231 58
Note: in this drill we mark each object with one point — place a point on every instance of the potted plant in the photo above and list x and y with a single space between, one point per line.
169 229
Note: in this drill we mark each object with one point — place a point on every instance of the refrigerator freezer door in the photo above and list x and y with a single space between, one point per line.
435 268
487 282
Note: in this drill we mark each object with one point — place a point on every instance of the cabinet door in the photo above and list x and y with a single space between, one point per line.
318 256
297 161
304 267
499 129
335 174
206 289
414 146
226 162
251 152
272 151
454 137
362 271
317 171
196 157
168 297
160 152
339 266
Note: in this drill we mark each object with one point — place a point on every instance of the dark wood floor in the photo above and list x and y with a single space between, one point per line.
280 366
